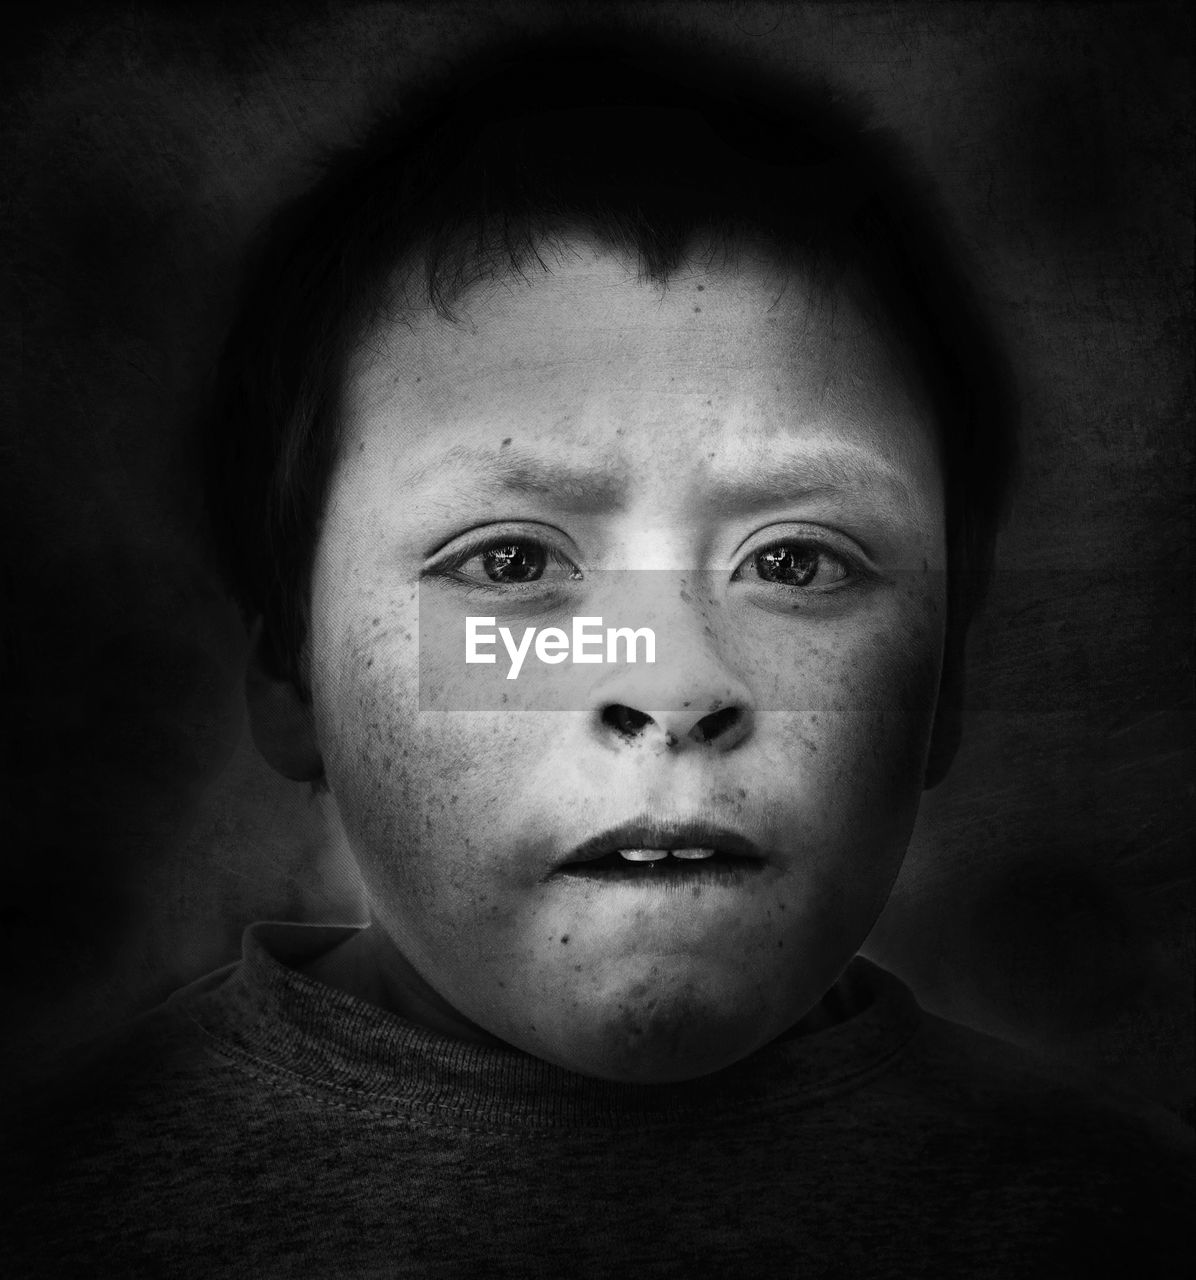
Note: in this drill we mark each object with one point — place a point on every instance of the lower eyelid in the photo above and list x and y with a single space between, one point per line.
457 562
853 572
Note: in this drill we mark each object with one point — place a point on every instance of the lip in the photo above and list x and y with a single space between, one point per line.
655 833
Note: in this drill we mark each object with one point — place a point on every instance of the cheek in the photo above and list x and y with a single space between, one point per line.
873 712
410 784
856 714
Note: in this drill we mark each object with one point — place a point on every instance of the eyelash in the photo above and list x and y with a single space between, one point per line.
854 569
450 568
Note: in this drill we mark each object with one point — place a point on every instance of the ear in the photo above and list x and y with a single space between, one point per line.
948 712
281 718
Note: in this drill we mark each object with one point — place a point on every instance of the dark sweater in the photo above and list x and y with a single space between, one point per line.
262 1124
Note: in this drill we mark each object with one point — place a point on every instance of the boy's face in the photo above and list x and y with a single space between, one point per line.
758 449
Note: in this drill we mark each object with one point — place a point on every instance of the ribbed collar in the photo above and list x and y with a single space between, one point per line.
266 1012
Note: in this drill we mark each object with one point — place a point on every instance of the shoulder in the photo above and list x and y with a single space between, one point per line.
1028 1097
942 1075
1047 1152
144 1062
114 1130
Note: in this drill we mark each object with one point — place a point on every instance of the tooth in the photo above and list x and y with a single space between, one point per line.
643 855
693 853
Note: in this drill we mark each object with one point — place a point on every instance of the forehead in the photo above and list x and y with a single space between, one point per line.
741 356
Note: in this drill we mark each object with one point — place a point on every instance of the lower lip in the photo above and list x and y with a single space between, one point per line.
665 876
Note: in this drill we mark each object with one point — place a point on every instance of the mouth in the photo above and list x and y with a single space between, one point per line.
658 852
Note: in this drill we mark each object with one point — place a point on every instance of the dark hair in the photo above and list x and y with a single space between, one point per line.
644 144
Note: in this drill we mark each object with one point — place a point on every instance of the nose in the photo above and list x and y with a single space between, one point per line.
693 709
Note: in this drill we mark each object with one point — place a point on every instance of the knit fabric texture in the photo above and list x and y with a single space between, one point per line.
260 1123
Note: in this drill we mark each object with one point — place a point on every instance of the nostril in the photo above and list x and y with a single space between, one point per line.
716 724
625 720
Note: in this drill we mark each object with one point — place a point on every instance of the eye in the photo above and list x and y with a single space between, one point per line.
513 562
797 563
507 562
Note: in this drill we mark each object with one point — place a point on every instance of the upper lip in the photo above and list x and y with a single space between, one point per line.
655 833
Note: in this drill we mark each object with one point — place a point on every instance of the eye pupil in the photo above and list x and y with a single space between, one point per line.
514 562
791 564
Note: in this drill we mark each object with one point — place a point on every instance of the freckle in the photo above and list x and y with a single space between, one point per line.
370 663
697 308
781 906
564 939
780 944
577 968
506 440
502 984
701 288
418 379
377 621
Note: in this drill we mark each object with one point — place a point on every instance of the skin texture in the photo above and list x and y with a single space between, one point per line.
459 820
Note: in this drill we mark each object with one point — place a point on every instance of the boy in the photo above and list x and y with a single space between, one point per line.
594 335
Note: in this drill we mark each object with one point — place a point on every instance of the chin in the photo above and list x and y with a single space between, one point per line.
653 1038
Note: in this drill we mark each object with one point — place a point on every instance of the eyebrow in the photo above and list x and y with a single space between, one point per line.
836 471
828 471
514 470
